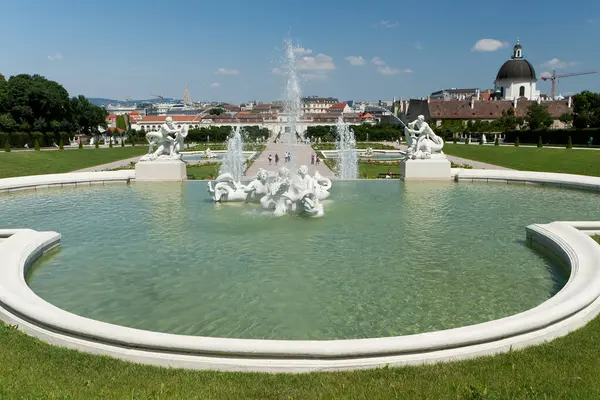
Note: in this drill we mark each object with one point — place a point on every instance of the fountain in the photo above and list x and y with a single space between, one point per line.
291 190
234 162
346 149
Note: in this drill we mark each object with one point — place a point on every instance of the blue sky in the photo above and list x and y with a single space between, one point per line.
227 50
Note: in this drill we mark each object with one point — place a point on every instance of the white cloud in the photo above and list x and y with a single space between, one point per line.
56 56
556 63
385 69
356 60
377 61
418 46
320 62
545 74
227 71
488 45
387 24
215 84
301 51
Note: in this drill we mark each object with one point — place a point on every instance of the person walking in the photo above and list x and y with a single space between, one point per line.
276 159
270 159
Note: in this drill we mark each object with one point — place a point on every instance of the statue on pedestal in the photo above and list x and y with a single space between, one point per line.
168 147
422 141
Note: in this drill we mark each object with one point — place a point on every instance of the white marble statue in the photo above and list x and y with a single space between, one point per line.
369 152
208 153
483 139
167 147
283 195
422 141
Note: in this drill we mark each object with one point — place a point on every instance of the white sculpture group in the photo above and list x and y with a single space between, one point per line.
208 153
302 194
168 148
422 141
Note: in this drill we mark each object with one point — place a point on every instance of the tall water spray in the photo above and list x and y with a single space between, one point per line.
293 95
234 161
345 145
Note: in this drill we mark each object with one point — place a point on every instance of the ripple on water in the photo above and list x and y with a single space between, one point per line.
387 259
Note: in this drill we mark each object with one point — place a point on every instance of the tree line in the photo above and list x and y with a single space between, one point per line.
35 108
222 133
366 132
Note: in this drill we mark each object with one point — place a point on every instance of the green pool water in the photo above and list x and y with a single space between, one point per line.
387 259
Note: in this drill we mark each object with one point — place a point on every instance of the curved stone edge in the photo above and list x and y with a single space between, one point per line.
576 304
59 180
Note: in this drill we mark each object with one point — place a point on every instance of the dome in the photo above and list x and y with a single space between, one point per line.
517 69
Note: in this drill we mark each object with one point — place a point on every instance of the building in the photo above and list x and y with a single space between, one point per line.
454 93
315 104
476 110
516 78
340 108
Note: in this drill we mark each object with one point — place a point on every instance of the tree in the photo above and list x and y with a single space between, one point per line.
121 124
215 111
496 141
567 119
540 144
538 117
36 144
61 145
586 110
569 143
7 144
517 142
7 123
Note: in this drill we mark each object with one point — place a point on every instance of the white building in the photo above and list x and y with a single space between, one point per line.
317 105
516 78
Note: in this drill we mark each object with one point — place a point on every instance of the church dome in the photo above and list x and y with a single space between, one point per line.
517 67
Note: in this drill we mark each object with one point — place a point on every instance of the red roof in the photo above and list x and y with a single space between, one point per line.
365 116
111 116
117 129
134 113
338 106
461 109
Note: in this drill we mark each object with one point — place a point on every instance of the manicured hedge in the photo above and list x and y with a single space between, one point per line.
555 136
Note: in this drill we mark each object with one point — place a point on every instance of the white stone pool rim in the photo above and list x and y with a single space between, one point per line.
572 307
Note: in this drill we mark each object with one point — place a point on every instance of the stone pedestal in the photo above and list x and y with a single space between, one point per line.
434 169
160 170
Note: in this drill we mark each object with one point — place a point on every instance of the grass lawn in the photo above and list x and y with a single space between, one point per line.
566 368
359 145
203 171
19 163
581 162
372 169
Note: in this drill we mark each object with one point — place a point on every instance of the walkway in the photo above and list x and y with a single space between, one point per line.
457 160
300 155
112 165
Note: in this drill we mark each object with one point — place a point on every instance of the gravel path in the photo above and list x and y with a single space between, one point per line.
300 155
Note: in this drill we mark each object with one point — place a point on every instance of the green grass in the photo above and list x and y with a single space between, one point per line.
51 162
566 368
203 171
581 162
596 238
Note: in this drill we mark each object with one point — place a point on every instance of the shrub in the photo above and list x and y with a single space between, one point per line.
540 144
517 142
110 142
467 140
96 145
496 141
61 145
569 143
36 144
454 140
122 143
7 145
80 143
481 140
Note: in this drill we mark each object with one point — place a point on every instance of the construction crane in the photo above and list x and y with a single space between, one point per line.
160 96
554 78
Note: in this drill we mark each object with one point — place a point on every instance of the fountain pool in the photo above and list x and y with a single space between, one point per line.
422 259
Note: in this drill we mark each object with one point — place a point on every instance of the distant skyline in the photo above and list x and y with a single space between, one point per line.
347 50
